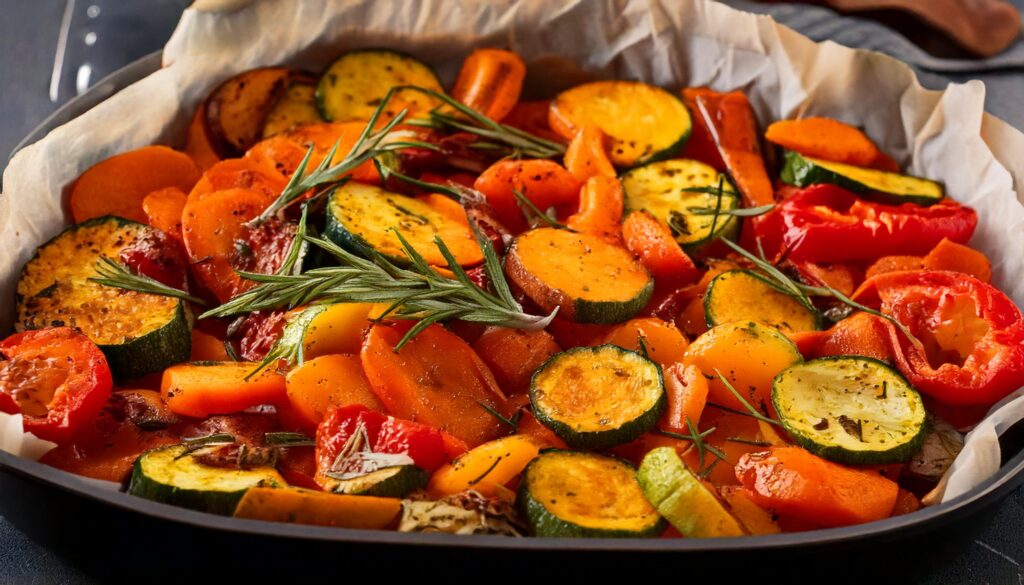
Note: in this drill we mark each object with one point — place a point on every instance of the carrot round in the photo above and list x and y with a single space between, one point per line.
543 182
893 264
600 211
664 343
436 379
858 334
654 245
827 139
687 392
490 82
949 255
284 152
586 156
330 380
513 355
239 173
119 184
163 209
201 389
210 227
485 468
792 482
207 348
198 144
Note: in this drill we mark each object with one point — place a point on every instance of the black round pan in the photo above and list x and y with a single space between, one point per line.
123 538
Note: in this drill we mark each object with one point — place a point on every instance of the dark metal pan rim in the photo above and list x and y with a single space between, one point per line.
1005 480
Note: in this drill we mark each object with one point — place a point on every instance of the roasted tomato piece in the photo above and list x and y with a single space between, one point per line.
258 333
159 256
57 378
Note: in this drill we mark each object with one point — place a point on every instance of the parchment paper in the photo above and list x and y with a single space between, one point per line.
941 135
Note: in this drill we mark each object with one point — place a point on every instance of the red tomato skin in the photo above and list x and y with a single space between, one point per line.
82 394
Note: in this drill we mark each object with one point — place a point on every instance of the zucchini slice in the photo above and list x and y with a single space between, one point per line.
170 476
362 218
598 397
587 278
687 504
891 188
354 85
644 123
742 295
659 189
139 333
390 482
850 409
296 107
585 495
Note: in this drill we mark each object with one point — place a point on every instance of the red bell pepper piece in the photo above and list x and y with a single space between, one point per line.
57 378
972 334
425 445
825 223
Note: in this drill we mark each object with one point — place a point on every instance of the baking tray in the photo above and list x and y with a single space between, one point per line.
128 539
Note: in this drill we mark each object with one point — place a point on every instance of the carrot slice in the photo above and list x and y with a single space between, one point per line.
513 355
198 144
893 264
284 152
600 211
207 348
586 156
330 380
119 184
858 334
490 82
733 125
949 255
201 389
828 139
163 209
436 379
532 117
302 506
792 482
657 249
663 342
239 173
543 182
687 392
210 228
485 468
701 145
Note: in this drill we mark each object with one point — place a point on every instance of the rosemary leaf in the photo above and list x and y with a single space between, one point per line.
512 423
287 439
533 214
742 212
117 275
750 409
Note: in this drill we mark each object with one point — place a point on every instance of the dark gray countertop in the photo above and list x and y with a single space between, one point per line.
123 31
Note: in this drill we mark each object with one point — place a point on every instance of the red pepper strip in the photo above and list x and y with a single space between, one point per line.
56 378
733 126
973 335
824 223
424 445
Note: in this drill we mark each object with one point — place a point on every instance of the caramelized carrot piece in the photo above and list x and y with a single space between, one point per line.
436 379
330 380
658 251
586 156
485 468
199 390
490 82
210 227
893 264
906 503
665 344
843 277
687 392
792 482
239 173
302 506
119 184
858 334
513 355
163 209
949 255
284 152
733 125
198 144
532 117
828 139
700 145
544 182
207 348
600 211
545 437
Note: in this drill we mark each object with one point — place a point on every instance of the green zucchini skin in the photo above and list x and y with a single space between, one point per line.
404 70
544 522
714 300
135 356
803 171
390 482
865 382
148 481
611 312
657 189
624 432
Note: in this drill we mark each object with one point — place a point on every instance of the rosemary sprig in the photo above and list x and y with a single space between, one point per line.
512 423
117 275
533 214
753 412
287 439
193 444
416 292
748 441
522 143
387 167
697 438
741 212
